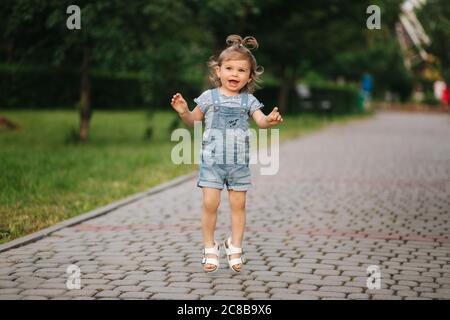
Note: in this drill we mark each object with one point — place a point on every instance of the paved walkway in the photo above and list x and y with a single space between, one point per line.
374 192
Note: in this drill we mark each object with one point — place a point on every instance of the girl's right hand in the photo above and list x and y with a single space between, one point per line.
179 104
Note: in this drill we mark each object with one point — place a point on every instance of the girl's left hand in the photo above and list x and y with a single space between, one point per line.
274 117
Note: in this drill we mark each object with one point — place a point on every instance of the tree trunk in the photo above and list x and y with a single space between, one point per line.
85 95
287 81
283 95
9 51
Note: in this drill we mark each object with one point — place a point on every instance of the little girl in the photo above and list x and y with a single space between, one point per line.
226 109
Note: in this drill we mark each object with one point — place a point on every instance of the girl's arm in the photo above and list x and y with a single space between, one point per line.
188 117
263 121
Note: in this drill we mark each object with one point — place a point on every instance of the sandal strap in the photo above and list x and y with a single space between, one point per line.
236 261
210 261
232 249
212 250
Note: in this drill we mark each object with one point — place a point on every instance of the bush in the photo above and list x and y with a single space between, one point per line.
44 87
430 99
329 99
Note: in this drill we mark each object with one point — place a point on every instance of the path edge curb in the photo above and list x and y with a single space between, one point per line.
33 237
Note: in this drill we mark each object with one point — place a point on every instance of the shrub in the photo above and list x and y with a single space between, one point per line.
327 99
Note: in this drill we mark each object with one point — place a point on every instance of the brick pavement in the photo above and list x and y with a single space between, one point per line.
373 192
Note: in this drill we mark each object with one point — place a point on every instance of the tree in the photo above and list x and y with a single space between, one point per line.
435 18
297 33
106 39
38 34
20 27
376 52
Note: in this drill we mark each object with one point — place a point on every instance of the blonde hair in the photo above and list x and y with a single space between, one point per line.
237 49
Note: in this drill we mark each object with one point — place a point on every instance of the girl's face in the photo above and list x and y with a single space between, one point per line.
234 75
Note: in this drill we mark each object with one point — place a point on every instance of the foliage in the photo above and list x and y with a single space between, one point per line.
167 43
435 18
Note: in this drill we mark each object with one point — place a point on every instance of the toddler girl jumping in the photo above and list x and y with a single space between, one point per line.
226 109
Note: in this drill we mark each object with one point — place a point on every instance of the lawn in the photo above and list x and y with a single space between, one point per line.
47 177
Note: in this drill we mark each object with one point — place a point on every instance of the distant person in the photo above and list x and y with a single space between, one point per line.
438 89
441 92
366 87
445 96
227 107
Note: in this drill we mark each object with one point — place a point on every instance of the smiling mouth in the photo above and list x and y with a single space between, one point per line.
233 82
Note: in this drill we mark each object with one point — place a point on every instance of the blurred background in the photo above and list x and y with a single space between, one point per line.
85 117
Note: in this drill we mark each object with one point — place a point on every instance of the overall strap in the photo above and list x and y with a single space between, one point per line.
215 96
244 101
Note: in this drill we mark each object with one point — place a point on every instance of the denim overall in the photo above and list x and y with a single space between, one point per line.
225 147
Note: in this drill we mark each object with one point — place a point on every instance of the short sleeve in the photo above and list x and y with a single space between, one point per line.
254 104
204 101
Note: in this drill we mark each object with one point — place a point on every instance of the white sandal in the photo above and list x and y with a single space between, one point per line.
230 249
213 250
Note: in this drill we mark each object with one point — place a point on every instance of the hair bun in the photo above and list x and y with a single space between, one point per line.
236 40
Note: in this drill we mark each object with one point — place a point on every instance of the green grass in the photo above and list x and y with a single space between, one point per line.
46 177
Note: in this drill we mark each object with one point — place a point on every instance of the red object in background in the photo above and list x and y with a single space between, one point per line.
445 94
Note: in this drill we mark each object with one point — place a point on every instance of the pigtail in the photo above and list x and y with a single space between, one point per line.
249 42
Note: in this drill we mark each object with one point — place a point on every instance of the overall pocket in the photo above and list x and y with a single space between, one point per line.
208 150
232 121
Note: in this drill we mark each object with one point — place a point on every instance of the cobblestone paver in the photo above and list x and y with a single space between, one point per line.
373 192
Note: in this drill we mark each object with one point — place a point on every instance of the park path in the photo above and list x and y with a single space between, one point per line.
371 192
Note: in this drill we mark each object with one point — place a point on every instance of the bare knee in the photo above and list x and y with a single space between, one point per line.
237 202
211 200
211 205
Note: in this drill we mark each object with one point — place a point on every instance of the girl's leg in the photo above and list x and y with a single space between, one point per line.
237 205
211 200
